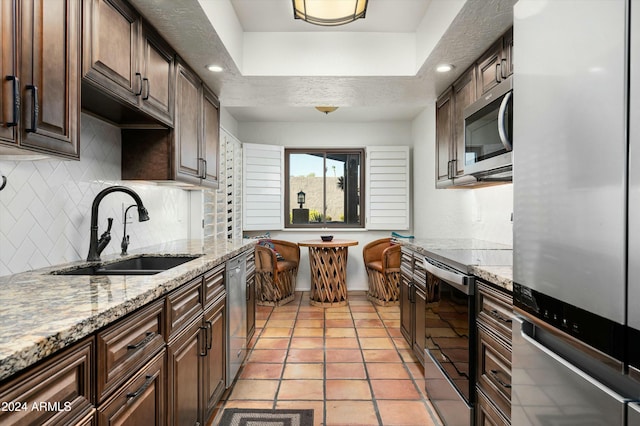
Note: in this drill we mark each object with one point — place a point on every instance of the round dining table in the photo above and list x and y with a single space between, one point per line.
328 266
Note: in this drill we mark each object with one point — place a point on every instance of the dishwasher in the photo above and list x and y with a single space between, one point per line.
235 280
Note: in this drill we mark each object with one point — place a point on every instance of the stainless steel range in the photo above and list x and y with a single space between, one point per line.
450 330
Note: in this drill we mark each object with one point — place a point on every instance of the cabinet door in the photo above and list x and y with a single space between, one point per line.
157 65
214 368
141 401
184 375
464 93
187 125
251 306
64 382
211 141
507 54
9 97
406 308
110 50
489 68
444 135
486 413
50 76
420 317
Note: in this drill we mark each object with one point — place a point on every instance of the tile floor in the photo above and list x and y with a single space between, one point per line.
350 364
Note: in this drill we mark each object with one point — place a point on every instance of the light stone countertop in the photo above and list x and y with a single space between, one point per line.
487 260
42 313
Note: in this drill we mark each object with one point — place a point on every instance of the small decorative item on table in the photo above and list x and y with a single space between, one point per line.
326 238
328 265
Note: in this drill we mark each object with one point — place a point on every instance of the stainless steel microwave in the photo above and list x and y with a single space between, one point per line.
488 129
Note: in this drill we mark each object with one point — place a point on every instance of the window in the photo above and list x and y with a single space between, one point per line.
324 188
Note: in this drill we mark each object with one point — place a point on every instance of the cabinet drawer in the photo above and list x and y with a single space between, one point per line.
141 400
494 370
487 414
64 383
214 284
127 345
183 306
495 308
406 262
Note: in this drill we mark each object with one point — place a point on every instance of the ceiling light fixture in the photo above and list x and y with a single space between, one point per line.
326 109
214 68
444 67
329 12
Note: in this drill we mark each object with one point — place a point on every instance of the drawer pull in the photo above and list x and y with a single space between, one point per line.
209 334
133 395
205 345
494 313
149 336
494 374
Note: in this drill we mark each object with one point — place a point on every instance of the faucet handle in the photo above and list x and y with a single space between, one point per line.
110 223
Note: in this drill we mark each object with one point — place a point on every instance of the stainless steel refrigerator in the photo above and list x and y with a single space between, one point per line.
576 174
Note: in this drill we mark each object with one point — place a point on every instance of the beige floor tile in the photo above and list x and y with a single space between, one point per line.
305 355
258 370
307 343
310 323
349 370
404 413
277 332
268 355
363 308
394 389
368 323
283 315
392 323
308 332
301 389
273 323
316 406
348 389
303 371
384 370
254 390
330 323
343 355
304 315
337 315
395 314
372 332
381 355
376 343
394 332
332 309
401 343
341 343
340 332
272 343
364 315
351 413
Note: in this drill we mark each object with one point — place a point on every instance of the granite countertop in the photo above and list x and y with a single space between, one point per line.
487 260
43 313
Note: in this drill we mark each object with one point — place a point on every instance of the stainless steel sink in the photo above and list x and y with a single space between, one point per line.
141 265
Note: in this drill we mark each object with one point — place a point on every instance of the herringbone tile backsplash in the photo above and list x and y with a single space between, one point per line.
45 209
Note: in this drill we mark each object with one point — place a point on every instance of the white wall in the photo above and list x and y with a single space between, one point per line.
319 135
46 207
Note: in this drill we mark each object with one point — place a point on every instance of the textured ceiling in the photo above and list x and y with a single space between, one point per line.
265 98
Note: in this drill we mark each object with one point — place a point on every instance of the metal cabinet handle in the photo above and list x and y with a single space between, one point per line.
16 100
494 313
503 68
149 335
494 374
502 131
139 92
204 172
209 334
133 395
34 109
146 80
203 352
498 73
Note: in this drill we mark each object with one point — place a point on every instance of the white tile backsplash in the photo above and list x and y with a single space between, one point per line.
45 208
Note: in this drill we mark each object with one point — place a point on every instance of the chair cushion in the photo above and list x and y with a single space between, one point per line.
376 264
268 244
285 265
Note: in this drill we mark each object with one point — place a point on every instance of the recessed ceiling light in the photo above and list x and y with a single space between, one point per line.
444 67
214 68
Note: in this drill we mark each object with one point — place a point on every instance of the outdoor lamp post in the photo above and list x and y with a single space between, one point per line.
301 198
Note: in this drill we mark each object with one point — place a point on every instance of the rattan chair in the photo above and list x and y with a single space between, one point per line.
382 260
276 279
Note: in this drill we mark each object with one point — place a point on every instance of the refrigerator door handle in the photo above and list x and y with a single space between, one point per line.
567 365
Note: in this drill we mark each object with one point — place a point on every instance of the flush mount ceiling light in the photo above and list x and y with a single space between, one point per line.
329 12
326 109
214 68
444 67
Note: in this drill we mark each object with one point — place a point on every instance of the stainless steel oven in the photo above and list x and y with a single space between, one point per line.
450 343
488 125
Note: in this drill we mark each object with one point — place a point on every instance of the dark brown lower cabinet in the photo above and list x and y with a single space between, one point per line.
184 368
58 391
486 412
213 371
141 401
406 307
413 296
419 303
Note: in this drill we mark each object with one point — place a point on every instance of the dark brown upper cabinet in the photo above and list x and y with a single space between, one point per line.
41 85
495 64
125 59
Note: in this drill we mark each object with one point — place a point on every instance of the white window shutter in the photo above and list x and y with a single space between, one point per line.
387 188
263 187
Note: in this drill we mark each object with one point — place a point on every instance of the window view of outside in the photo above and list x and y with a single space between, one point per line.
324 188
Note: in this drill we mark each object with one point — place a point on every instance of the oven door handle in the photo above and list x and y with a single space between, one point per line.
459 281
